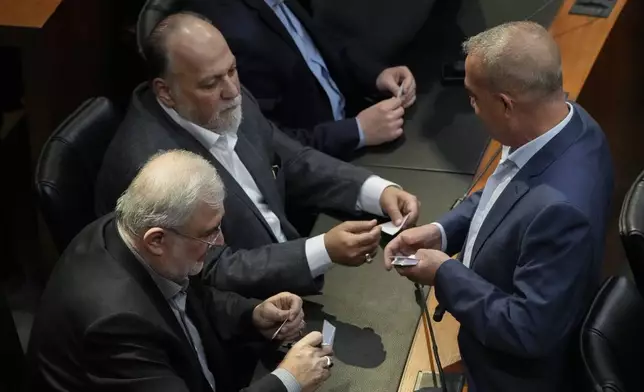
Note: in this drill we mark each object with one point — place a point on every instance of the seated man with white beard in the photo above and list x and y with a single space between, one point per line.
194 101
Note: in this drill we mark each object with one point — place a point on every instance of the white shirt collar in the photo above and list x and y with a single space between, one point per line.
522 155
206 137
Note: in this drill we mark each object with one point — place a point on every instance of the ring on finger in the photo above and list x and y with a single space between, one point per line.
368 257
329 362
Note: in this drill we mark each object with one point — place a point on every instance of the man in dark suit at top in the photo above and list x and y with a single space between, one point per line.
531 243
310 83
120 314
195 102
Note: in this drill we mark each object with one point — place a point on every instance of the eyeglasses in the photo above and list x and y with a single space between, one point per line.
210 243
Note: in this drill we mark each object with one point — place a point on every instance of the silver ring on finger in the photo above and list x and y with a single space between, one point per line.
368 258
329 362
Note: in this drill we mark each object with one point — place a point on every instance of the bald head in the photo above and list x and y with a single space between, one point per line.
517 58
167 190
194 72
186 37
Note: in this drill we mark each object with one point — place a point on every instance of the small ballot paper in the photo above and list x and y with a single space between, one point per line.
328 333
391 229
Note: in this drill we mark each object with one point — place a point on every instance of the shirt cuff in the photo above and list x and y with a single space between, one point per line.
288 380
369 198
360 134
443 236
317 256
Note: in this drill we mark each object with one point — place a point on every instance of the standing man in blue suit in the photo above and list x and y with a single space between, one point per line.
311 84
531 243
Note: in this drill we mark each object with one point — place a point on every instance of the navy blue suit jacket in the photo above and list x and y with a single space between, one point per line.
536 264
271 66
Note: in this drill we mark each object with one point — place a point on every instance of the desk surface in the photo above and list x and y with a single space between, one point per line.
26 13
374 310
435 130
580 39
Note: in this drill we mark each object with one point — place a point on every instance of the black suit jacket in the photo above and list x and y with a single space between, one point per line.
271 66
104 325
254 263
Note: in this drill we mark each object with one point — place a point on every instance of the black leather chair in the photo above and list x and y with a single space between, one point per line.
153 12
68 166
612 342
12 370
631 229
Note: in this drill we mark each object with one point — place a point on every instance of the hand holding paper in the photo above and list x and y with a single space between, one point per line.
410 241
393 229
397 203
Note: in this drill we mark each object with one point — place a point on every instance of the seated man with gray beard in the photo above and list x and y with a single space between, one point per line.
194 102
120 312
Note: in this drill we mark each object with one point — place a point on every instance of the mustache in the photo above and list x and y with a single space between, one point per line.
231 103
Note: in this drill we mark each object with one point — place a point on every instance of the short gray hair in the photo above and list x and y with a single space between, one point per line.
519 58
167 190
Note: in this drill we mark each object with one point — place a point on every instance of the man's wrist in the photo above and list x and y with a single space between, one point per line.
361 137
371 193
443 239
317 255
255 318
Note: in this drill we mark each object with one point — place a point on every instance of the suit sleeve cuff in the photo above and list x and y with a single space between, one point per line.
369 197
317 256
288 380
361 141
442 281
443 236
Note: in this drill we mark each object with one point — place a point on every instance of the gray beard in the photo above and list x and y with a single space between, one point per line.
228 124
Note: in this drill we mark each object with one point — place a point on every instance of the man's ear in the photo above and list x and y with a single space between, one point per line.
154 240
508 103
162 91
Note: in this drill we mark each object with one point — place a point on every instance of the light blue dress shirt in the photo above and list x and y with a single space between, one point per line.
509 165
313 59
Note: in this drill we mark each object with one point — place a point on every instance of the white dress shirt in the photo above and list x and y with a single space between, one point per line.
509 165
222 147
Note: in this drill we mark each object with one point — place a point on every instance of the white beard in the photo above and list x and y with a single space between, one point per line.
229 121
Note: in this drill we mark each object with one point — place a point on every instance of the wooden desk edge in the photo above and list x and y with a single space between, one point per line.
577 62
27 13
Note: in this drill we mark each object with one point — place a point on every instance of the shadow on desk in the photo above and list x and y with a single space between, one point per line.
354 346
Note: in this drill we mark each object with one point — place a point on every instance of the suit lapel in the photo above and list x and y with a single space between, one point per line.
213 349
261 172
515 190
269 17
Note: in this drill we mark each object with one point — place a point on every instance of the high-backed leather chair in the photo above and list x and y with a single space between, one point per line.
68 166
612 342
631 229
13 361
153 12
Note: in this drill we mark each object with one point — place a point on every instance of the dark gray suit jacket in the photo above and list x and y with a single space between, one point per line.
104 325
253 263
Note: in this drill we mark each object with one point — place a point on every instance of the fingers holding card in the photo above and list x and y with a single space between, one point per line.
391 229
328 334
